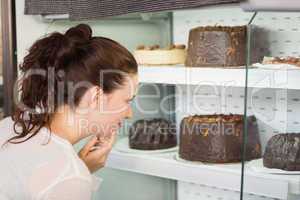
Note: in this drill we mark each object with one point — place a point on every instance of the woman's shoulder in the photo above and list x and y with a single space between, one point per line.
44 147
6 122
6 129
44 155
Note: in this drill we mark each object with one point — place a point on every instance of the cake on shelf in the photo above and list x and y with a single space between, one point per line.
218 138
154 55
215 46
152 134
283 152
284 60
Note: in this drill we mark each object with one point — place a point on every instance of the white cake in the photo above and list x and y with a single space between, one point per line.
175 54
284 60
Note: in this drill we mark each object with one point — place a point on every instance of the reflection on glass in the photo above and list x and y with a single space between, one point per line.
273 97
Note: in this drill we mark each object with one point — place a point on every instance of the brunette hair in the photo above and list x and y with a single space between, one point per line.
73 57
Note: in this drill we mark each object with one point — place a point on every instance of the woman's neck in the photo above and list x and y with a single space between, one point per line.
64 124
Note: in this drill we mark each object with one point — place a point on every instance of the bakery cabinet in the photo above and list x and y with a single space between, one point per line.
276 105
268 92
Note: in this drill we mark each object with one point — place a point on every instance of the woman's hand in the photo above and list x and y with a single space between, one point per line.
95 152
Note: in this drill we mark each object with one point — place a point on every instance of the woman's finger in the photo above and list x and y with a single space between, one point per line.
108 139
89 146
100 151
113 138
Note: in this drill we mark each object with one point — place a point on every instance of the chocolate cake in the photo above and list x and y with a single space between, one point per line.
218 138
213 46
152 134
283 152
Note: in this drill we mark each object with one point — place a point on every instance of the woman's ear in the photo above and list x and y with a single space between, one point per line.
96 97
92 98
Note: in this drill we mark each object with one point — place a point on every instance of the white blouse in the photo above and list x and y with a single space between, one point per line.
44 167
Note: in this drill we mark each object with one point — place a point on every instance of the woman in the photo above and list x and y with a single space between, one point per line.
73 86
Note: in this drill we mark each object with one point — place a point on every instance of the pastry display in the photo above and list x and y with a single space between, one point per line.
215 46
154 55
277 60
283 152
152 134
218 138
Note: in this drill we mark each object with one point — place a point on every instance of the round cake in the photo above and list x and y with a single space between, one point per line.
283 152
172 55
218 138
152 134
215 46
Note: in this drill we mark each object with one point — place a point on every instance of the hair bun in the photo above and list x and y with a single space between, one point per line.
81 31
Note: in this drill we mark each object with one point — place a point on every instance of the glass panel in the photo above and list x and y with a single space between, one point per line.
273 98
215 93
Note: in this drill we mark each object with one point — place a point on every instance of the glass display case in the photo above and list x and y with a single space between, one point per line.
273 97
265 95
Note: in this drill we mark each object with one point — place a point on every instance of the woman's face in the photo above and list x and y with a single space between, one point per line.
113 108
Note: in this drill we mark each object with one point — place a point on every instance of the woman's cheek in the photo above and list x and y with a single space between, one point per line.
124 107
